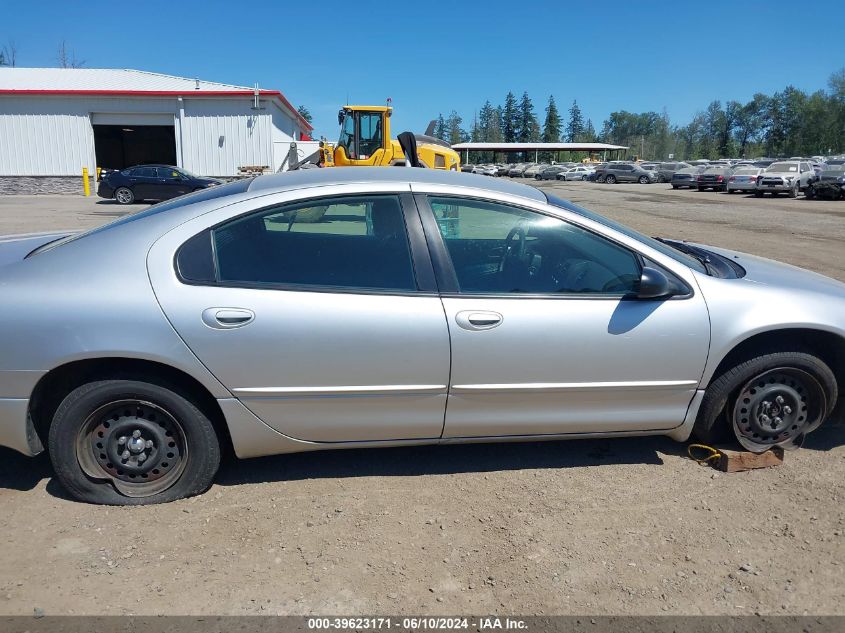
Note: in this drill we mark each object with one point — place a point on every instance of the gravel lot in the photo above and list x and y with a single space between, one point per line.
627 526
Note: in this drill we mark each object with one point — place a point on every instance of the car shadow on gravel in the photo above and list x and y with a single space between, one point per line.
19 472
447 460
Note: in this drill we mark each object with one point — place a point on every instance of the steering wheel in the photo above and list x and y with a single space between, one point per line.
514 246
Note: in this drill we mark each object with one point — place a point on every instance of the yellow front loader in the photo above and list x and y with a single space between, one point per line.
365 141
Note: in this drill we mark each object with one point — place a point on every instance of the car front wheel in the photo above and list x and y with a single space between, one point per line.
128 442
770 400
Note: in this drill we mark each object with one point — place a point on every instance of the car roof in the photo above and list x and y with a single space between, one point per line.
319 177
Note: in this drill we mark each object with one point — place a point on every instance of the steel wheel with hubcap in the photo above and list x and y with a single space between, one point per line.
124 195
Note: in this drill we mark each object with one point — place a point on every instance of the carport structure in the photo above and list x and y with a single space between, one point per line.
608 152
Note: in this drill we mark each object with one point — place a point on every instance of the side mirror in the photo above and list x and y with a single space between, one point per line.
655 285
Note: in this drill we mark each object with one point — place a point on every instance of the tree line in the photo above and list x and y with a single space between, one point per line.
789 122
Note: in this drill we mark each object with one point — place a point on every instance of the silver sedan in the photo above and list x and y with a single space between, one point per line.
338 308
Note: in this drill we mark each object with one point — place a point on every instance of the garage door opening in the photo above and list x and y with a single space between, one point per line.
121 146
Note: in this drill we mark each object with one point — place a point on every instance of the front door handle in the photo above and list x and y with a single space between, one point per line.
227 318
478 320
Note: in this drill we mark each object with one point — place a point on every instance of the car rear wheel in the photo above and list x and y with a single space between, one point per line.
124 195
610 179
127 442
644 180
770 400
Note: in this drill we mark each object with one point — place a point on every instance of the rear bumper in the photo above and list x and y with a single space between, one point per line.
742 186
16 429
105 191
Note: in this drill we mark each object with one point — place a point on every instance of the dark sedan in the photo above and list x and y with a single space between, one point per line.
150 182
715 178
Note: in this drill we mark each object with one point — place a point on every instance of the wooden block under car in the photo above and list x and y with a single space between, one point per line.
731 461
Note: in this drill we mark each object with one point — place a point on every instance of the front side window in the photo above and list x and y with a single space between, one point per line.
498 249
352 242
168 173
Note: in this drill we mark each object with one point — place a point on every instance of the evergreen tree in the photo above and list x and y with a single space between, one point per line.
551 126
529 127
589 133
510 119
454 133
440 128
304 113
575 127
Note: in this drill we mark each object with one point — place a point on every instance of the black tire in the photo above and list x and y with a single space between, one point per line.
722 412
610 179
124 195
644 180
674 186
731 191
181 454
758 194
810 193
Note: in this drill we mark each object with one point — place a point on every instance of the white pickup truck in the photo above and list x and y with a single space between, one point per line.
789 176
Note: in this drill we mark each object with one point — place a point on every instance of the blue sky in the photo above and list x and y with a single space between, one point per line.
431 57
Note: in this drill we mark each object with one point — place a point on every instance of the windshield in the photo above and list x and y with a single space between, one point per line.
238 186
660 247
347 133
783 167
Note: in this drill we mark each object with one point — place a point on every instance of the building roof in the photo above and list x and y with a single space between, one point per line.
123 82
542 147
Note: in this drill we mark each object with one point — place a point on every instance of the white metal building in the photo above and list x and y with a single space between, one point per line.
55 121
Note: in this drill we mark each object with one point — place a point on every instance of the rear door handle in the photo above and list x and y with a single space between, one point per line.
478 320
227 318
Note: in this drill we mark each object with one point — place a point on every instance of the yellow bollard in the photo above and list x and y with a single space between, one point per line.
86 186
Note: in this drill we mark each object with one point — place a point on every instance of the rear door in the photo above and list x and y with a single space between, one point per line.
321 316
145 183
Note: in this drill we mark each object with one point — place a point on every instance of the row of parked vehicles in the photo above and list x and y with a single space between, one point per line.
538 171
815 177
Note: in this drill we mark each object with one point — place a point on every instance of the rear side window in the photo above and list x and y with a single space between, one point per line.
351 242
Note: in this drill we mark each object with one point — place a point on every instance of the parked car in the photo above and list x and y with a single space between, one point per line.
487 170
532 171
666 170
549 173
828 184
220 325
686 177
504 169
519 169
790 177
150 182
576 173
743 179
715 178
627 172
467 168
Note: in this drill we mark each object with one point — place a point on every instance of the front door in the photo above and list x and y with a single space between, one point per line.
171 183
314 318
544 340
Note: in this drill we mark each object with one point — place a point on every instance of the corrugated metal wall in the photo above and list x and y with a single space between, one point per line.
52 136
44 137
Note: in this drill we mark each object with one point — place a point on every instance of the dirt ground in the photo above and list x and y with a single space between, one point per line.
625 526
